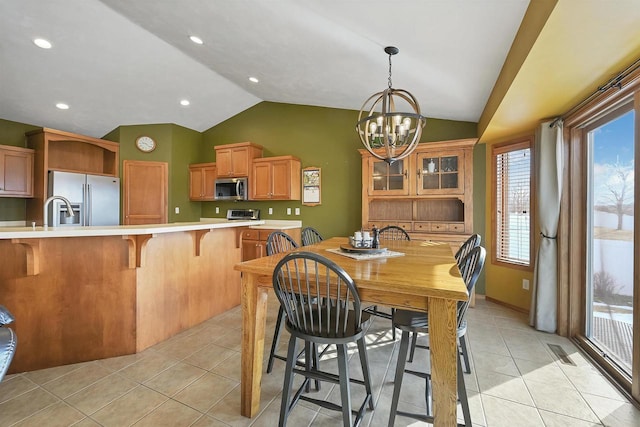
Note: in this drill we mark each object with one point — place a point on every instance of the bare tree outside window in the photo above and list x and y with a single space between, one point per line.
520 202
619 195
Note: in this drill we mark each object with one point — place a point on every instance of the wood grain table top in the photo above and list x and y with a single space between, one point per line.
427 269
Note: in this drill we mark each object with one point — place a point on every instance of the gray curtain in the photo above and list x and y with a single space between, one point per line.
548 172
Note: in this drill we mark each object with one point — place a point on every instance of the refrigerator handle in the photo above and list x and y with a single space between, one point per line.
83 207
89 219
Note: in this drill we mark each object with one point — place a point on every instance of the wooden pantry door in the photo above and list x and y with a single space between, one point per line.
145 192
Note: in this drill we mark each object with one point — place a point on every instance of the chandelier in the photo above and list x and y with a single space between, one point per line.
387 133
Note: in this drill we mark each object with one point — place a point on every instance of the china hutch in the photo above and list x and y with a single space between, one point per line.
429 193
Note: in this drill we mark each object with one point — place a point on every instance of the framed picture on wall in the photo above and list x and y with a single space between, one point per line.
311 186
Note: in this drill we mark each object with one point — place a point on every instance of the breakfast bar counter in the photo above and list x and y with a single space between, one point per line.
85 293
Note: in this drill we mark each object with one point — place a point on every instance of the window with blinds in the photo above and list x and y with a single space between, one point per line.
512 203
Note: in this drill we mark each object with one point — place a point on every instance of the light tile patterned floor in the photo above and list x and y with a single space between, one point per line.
193 380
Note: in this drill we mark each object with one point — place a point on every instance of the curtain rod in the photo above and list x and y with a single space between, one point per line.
614 82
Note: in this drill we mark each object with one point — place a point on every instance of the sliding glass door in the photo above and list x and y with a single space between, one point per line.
610 237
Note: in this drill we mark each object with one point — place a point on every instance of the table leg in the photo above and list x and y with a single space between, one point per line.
442 341
254 309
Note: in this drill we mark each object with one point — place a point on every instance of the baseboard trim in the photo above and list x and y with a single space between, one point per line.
506 304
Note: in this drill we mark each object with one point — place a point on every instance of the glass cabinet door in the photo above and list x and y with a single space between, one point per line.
388 179
440 173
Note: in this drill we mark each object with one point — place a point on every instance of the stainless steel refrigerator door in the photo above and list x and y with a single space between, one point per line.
69 185
103 200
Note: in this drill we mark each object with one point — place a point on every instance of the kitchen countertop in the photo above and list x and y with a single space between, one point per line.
278 225
121 230
269 224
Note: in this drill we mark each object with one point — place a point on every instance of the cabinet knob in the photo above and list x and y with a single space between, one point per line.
406 173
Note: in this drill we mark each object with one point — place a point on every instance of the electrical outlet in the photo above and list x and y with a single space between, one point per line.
217 209
288 211
525 284
270 211
297 211
177 210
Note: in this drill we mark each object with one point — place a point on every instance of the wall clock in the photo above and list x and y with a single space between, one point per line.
146 144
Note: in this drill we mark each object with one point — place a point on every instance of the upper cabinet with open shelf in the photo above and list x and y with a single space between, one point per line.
65 151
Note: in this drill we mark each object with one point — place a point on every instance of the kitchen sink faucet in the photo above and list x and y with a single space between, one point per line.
45 208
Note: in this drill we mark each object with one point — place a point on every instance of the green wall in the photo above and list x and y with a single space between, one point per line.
12 133
176 145
323 137
186 149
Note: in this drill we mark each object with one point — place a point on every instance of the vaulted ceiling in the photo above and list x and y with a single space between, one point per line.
119 62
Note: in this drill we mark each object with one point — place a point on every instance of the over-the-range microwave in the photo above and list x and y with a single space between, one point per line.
231 189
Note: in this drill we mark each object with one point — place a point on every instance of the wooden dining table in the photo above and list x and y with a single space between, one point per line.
424 278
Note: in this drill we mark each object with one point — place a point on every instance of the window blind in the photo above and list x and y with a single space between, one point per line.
513 203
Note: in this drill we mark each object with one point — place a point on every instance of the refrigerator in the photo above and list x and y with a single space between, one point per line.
95 199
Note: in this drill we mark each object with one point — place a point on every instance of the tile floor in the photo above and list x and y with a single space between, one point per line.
192 379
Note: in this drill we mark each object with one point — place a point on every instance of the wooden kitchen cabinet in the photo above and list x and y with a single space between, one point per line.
254 241
429 193
202 181
145 192
252 245
275 178
16 171
234 160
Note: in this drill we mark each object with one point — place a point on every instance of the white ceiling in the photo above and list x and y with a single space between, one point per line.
121 62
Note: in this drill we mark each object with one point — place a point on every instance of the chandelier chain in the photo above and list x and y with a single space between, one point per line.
389 71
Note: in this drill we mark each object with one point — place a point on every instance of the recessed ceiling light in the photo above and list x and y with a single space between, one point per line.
44 44
62 106
184 102
253 79
196 39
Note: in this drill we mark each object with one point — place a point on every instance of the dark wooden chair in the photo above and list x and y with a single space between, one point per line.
390 232
310 236
8 341
464 250
322 307
393 232
418 322
278 242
